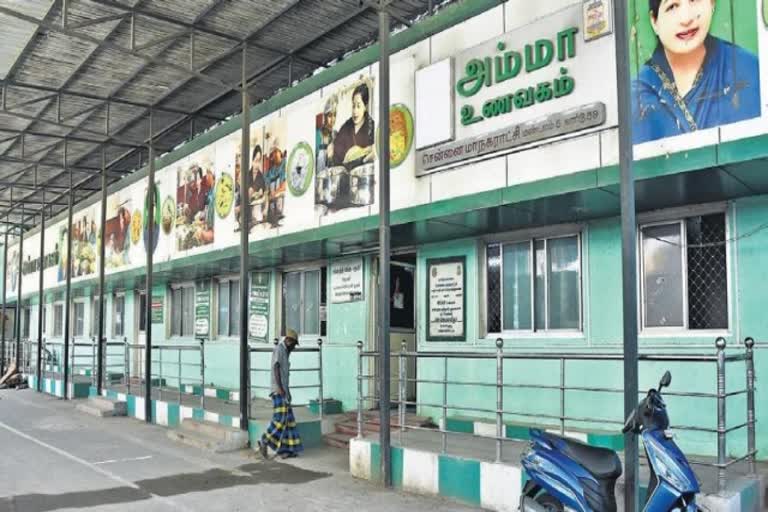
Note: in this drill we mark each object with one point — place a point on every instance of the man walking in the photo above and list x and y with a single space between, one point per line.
281 435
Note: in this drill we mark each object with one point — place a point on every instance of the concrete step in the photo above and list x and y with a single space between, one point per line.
103 407
208 436
347 427
337 440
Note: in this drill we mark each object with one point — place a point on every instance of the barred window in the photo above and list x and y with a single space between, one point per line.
304 302
685 274
534 285
58 320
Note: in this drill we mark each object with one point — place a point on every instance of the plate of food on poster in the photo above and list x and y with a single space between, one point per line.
345 148
400 134
301 167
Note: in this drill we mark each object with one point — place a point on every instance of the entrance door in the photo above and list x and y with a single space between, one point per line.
402 320
137 356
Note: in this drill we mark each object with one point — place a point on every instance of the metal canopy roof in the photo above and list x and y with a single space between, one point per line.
79 77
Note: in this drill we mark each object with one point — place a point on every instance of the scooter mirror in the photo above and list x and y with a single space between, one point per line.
666 380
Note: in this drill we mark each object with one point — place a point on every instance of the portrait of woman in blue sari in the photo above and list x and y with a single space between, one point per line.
693 80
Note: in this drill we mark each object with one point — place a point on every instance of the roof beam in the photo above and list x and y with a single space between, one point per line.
116 101
197 27
51 27
53 165
106 139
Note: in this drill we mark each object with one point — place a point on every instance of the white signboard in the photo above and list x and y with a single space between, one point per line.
347 281
538 69
447 302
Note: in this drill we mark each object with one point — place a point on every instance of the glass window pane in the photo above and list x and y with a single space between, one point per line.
292 301
79 323
119 316
564 283
663 276
234 310
493 296
540 288
707 272
311 303
188 312
224 308
517 286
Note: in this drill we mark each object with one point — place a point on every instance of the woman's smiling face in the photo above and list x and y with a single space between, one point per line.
683 25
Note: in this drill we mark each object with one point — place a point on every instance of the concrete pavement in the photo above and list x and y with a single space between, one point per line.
55 458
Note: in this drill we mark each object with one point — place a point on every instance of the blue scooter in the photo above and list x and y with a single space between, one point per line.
566 474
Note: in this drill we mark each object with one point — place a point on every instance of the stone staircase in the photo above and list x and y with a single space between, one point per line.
103 407
208 436
346 427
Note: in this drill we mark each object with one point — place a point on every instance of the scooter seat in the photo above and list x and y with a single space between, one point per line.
603 463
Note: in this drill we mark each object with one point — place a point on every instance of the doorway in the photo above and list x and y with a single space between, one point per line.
402 320
137 357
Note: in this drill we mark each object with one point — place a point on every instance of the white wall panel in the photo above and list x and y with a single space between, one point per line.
556 159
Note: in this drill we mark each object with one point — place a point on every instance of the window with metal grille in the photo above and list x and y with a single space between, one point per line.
58 320
684 269
183 310
534 285
118 320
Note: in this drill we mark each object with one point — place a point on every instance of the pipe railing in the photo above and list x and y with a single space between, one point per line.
172 355
719 359
313 369
113 363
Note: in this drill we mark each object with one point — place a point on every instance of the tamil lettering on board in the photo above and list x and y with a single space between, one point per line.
446 299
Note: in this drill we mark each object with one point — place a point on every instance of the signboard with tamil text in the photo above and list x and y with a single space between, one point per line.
446 299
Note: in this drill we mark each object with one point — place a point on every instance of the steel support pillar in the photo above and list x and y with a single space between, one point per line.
40 302
101 340
149 241
384 249
68 270
2 320
629 251
17 322
245 392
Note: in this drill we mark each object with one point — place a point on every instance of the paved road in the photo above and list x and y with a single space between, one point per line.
55 458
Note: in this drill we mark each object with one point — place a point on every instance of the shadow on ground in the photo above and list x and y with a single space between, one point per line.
267 472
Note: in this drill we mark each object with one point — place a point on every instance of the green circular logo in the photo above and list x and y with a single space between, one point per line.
301 167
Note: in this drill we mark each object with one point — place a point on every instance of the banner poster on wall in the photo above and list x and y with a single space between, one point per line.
714 77
195 194
85 240
202 308
258 315
446 299
118 231
345 148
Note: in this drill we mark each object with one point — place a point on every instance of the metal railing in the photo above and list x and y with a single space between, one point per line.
113 362
719 359
314 369
172 355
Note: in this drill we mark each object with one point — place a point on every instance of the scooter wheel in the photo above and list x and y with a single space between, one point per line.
549 502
